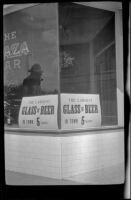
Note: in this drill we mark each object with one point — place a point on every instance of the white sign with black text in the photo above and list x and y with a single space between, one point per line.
80 111
39 112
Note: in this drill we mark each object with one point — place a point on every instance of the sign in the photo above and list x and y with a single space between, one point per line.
39 112
80 111
14 51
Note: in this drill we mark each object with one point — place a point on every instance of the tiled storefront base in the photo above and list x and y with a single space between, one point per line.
108 175
63 156
33 154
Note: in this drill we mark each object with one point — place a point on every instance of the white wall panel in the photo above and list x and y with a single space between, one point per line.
33 154
92 152
63 156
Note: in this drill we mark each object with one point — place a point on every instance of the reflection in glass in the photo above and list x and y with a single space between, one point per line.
30 37
87 55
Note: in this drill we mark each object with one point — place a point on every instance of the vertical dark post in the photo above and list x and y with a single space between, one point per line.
59 82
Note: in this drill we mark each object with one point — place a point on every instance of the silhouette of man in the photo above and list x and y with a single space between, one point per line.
31 84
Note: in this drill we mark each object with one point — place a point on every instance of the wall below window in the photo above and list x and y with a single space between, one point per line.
86 153
33 154
63 156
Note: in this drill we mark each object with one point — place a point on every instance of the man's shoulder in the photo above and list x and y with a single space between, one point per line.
27 80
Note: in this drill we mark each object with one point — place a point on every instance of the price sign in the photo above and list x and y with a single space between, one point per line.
39 112
80 111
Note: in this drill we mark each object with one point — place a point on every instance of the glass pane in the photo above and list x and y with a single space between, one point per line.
87 57
30 56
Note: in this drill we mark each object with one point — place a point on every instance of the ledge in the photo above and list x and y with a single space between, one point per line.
61 132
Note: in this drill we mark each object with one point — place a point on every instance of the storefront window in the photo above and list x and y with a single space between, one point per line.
87 61
30 56
61 59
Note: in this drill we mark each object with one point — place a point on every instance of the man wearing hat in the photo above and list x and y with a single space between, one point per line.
31 84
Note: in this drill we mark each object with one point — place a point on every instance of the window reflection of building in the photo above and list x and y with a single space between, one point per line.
87 52
32 38
88 34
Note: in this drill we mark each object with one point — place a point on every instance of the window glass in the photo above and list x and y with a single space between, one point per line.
87 61
30 56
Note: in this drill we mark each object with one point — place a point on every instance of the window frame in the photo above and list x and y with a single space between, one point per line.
7 9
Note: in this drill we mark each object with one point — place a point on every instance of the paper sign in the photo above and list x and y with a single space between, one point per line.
80 111
39 112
